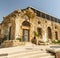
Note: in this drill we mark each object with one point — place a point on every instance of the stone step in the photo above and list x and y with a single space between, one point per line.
34 56
3 57
47 57
26 56
25 52
21 51
40 55
29 54
28 51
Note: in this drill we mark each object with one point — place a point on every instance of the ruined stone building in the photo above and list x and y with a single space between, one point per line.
27 23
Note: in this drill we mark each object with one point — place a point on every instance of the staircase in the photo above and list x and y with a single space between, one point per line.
31 54
24 52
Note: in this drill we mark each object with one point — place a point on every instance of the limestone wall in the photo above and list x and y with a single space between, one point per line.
16 18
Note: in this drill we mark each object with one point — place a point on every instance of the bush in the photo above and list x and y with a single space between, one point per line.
35 34
56 41
20 39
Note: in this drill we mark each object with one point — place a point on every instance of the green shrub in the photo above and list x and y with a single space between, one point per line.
56 41
35 33
20 39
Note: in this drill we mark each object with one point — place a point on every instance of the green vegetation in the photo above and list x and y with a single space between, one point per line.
56 42
35 34
20 39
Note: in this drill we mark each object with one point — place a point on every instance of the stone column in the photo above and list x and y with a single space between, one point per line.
45 36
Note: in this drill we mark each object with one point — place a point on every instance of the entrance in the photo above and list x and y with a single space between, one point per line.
25 35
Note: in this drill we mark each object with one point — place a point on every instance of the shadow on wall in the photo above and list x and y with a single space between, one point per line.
3 39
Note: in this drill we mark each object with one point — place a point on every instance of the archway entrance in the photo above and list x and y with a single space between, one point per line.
25 35
26 31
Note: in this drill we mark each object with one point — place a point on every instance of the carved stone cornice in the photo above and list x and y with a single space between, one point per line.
29 13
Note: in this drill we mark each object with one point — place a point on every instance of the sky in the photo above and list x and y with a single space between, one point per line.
51 7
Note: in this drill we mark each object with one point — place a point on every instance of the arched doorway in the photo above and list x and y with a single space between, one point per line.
26 32
49 33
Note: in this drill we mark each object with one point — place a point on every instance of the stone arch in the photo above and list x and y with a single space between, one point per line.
26 23
26 31
49 33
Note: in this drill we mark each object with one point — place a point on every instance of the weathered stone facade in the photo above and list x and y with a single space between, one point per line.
23 24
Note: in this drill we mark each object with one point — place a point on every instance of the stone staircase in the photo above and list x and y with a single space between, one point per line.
29 54
25 52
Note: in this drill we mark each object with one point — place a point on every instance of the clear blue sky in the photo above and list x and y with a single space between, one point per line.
51 7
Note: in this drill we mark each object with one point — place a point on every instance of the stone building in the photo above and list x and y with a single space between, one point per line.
29 23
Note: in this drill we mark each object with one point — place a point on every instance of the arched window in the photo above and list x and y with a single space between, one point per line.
9 33
49 33
26 23
56 35
39 30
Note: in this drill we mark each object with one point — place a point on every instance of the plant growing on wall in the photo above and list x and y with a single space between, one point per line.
37 35
20 39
